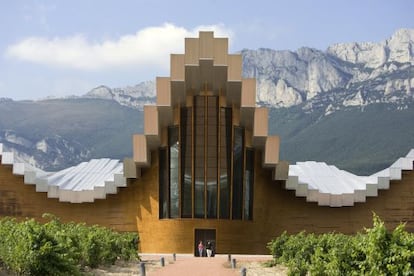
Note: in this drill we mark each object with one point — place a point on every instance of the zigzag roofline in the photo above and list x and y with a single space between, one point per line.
82 183
329 186
205 67
316 181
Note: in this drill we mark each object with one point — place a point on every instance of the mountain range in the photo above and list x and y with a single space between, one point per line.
351 105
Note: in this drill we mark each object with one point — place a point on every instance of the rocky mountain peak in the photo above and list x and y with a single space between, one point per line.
382 71
399 47
133 96
101 92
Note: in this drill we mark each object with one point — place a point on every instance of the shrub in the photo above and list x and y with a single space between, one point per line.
376 251
56 248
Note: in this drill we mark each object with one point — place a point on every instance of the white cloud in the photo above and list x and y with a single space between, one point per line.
148 47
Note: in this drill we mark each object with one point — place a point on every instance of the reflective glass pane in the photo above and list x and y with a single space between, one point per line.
199 157
199 198
174 174
211 158
225 161
186 164
163 179
212 197
237 173
248 182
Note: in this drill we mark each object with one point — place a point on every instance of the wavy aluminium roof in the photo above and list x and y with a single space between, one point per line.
82 183
316 181
330 186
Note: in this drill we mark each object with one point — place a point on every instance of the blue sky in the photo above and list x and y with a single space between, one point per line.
61 48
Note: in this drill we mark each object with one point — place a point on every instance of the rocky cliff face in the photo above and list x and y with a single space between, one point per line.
398 48
367 72
133 96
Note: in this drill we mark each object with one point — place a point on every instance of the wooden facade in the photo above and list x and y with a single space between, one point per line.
135 208
22 201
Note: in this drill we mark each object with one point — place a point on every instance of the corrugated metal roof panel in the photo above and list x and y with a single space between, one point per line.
330 186
82 183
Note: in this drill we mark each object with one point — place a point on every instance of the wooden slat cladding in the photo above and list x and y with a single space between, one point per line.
274 211
136 208
21 200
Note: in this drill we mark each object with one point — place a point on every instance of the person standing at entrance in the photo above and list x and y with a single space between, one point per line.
200 249
209 249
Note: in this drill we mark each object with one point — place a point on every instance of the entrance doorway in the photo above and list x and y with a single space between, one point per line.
204 235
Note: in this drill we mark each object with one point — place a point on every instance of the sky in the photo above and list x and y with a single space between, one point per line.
62 48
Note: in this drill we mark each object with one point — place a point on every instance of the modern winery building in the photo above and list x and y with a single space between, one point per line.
205 168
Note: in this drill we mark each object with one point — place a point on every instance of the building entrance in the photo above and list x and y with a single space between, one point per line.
204 235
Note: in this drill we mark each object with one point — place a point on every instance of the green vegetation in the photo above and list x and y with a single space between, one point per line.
83 128
56 248
360 140
376 251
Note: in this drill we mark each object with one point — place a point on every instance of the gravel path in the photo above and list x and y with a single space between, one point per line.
186 264
218 265
189 265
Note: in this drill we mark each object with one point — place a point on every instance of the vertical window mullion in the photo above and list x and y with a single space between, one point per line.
180 167
231 171
242 182
218 157
205 155
192 161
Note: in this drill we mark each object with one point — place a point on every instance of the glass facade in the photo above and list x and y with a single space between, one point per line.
225 161
248 184
204 171
238 150
186 160
173 146
199 156
164 183
212 156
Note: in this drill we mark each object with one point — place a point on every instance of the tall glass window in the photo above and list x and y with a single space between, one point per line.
225 161
248 184
173 145
164 187
212 156
186 162
199 156
205 171
238 173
